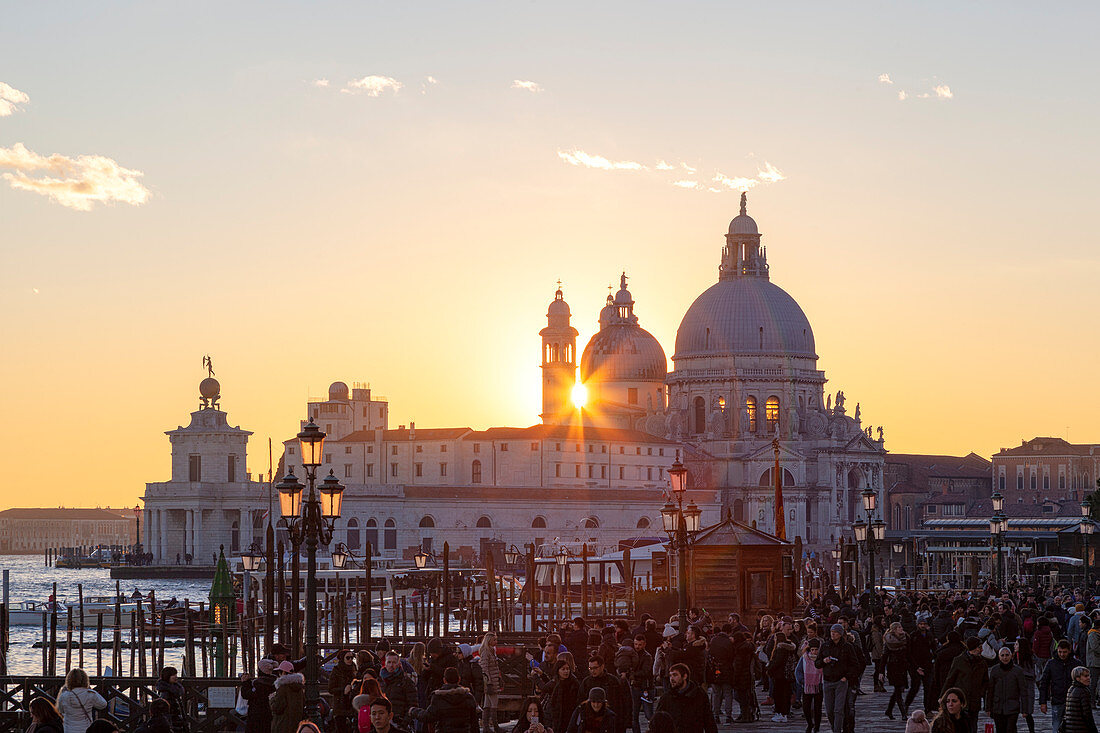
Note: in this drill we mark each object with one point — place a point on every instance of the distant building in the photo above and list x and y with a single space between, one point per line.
30 531
921 487
1046 468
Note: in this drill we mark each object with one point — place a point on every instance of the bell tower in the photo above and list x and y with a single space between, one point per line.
559 361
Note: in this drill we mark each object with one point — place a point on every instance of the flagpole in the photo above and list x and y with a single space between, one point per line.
780 519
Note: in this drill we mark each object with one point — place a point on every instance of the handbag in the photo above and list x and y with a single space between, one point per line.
988 651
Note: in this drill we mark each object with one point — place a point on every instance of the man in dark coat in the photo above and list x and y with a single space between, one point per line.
720 666
618 696
922 650
452 709
257 691
1055 681
687 703
945 655
970 673
841 665
1079 703
441 657
744 652
398 687
576 641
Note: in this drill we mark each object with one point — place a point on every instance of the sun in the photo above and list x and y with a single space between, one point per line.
579 395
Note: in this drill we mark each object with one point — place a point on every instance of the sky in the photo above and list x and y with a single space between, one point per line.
388 193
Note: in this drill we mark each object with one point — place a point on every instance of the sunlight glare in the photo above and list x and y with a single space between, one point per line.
580 395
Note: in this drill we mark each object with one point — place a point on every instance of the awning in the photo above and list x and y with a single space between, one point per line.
1056 559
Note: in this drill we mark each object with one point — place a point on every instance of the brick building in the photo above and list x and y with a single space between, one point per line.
923 487
1046 468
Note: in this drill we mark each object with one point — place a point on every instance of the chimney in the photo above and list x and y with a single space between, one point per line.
412 431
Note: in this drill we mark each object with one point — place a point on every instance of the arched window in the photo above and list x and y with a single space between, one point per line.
235 537
643 523
750 408
538 523
766 478
897 516
771 414
591 523
484 522
427 521
389 535
372 535
475 472
700 415
353 534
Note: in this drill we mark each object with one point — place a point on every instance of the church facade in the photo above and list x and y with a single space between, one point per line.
745 381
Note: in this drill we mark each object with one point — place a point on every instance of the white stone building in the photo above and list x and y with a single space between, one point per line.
745 374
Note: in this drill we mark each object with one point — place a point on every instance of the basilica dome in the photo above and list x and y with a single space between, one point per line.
744 316
623 352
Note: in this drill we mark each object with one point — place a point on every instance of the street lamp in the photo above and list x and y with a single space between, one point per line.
250 562
512 555
137 528
1087 528
873 532
311 521
421 558
998 525
682 525
339 556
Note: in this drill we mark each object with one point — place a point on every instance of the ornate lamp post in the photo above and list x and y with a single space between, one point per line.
137 528
311 522
250 562
223 609
873 531
682 525
1087 528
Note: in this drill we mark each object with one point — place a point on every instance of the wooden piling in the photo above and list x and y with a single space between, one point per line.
189 648
99 644
45 646
584 580
368 568
80 637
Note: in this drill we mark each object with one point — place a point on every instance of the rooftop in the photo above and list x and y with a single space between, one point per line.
59 513
1048 446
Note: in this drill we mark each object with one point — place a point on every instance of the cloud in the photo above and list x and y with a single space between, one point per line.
663 166
581 158
529 86
739 183
373 86
903 95
10 99
943 91
76 183
431 80
687 184
688 168
320 83
885 79
770 174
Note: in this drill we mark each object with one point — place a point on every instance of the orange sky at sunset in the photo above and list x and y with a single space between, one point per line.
411 236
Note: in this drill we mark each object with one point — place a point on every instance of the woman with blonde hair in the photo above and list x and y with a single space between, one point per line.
77 703
490 669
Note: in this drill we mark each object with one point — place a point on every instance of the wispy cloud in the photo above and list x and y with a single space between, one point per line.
10 99
527 86
903 95
373 86
770 174
939 91
430 80
581 158
766 175
885 79
77 183
943 91
320 82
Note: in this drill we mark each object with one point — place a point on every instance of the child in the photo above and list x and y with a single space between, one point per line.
917 723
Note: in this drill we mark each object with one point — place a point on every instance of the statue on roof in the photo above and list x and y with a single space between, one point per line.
208 365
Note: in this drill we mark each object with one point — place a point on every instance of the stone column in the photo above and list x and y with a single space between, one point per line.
188 531
244 521
198 543
162 535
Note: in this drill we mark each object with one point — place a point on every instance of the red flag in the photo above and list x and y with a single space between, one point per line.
780 519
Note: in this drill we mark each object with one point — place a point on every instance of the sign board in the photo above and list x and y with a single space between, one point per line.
222 698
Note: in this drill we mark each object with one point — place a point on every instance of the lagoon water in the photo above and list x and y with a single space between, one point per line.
30 580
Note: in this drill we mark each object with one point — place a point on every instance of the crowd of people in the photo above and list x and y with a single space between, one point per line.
941 662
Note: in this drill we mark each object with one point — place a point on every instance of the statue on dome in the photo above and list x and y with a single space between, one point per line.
840 402
880 433
857 412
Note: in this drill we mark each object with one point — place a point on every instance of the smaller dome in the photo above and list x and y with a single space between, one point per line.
743 224
338 391
210 388
558 306
623 352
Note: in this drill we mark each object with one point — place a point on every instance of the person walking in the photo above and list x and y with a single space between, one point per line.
1007 687
895 663
452 708
970 673
1027 666
398 687
1078 711
810 677
257 691
720 667
341 688
563 696
1055 682
288 702
922 651
780 670
639 679
593 715
687 703
77 703
169 688
490 670
839 662
744 656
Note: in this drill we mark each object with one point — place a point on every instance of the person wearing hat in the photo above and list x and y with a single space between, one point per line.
256 690
440 658
470 675
840 663
970 673
288 702
613 690
593 715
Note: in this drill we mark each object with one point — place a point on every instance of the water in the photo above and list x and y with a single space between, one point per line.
30 580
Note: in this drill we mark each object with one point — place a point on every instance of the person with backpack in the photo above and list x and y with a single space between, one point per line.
780 670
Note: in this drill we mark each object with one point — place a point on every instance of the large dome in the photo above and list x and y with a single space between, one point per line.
746 315
623 352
